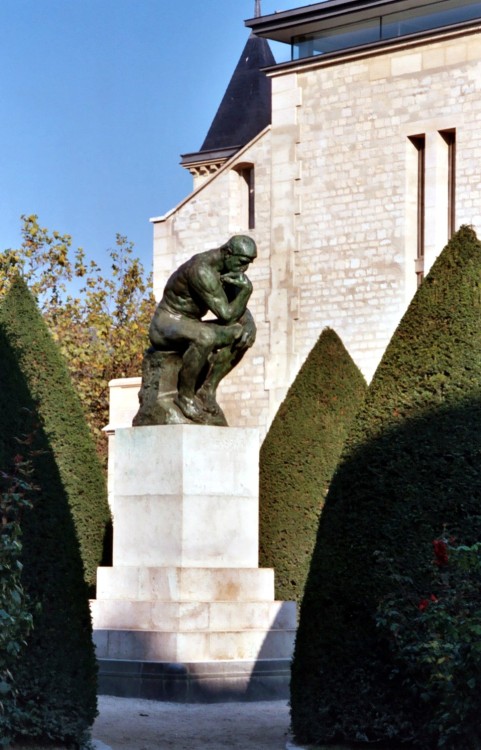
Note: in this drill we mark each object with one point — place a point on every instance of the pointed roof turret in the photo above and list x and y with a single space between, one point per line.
244 111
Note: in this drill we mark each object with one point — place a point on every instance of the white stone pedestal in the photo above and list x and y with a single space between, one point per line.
185 592
186 496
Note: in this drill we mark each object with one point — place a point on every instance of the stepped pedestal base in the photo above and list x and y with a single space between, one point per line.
155 645
196 682
185 613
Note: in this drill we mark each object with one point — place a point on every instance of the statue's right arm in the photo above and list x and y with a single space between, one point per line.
208 287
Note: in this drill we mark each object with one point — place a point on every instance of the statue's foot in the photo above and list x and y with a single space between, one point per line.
190 408
208 401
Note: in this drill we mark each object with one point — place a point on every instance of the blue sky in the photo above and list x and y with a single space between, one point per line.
99 99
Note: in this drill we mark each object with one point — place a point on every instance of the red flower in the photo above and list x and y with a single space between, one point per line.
424 603
440 552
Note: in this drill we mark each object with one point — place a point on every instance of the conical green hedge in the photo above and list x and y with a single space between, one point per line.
62 418
410 466
56 675
298 458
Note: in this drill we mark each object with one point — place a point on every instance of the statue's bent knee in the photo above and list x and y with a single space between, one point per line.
206 338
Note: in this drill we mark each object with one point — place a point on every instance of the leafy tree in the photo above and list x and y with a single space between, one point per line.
410 465
100 322
298 458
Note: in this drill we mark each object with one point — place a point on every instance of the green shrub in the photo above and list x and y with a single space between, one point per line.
62 418
435 643
15 605
55 676
298 458
410 464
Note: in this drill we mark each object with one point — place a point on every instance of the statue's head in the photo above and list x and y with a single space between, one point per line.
240 244
239 251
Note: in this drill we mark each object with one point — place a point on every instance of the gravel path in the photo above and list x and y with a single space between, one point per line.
133 724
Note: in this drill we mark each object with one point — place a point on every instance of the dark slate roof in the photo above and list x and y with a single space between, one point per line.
245 109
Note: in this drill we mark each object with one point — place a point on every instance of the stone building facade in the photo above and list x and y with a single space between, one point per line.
372 159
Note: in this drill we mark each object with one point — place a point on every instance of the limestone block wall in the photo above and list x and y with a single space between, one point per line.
355 192
336 204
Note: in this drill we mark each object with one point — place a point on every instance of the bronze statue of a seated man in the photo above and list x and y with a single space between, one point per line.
212 281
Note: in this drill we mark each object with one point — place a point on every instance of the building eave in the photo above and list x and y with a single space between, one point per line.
199 158
287 25
376 48
281 26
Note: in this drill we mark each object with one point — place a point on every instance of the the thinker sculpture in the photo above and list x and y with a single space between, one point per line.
181 386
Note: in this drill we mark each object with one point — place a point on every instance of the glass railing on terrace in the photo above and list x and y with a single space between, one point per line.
389 26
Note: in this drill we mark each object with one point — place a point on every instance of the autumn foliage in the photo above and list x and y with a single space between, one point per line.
99 320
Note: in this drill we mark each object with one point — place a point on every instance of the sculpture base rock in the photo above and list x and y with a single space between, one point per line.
160 373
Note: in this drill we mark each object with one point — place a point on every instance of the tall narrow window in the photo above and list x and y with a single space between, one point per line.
247 174
419 143
247 195
449 137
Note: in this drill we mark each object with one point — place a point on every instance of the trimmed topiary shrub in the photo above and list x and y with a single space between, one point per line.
411 466
15 605
55 677
62 418
298 458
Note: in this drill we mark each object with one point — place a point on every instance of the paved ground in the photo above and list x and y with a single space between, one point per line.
132 724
